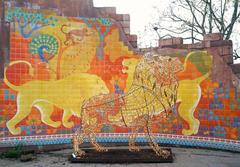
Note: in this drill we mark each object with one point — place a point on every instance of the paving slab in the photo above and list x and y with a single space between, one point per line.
183 157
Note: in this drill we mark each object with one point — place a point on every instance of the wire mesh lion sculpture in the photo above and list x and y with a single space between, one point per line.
153 92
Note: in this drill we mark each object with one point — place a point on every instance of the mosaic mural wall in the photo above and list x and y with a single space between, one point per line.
76 73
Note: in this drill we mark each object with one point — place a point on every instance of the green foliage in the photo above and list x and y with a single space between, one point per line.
34 18
14 152
25 19
103 21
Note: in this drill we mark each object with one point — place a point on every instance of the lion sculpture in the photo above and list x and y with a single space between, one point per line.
148 95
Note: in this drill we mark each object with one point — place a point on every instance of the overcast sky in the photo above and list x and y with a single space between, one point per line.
141 14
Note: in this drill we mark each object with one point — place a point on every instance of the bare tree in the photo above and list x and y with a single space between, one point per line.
195 18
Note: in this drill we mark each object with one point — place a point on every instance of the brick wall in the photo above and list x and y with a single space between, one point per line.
223 68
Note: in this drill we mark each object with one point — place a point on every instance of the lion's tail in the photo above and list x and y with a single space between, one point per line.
202 78
62 28
12 86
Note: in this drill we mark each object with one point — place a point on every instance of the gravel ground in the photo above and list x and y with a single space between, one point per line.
183 157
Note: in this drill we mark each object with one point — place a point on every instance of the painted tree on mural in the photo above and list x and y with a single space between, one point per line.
102 26
29 23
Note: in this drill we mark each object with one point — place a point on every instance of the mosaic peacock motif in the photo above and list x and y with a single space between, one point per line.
45 46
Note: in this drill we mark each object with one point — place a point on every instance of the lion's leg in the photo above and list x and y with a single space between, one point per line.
154 145
65 120
156 148
89 125
78 139
92 137
186 113
189 102
24 106
132 138
46 110
97 146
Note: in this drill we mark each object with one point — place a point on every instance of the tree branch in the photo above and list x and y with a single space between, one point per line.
176 18
194 16
175 32
235 16
212 11
203 16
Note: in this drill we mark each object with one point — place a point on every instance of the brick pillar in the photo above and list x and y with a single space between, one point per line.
216 43
170 42
222 57
213 37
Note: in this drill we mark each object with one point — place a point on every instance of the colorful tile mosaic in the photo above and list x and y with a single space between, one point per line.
74 73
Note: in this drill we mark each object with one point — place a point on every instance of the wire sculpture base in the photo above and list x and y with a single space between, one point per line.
122 156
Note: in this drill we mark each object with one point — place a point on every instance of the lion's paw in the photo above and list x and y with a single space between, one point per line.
102 149
192 130
79 154
196 127
165 154
13 130
56 124
69 124
187 132
134 149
